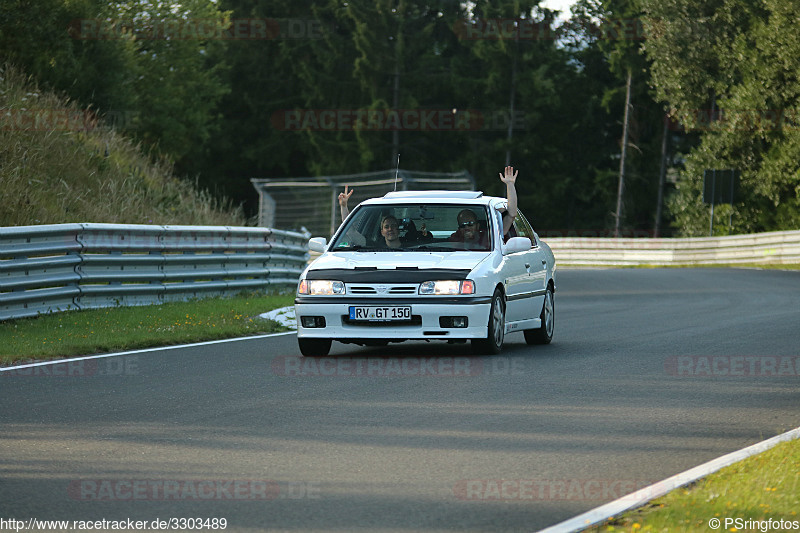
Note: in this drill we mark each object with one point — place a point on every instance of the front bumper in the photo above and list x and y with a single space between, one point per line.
425 323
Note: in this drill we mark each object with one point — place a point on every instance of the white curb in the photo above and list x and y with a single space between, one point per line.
641 497
284 315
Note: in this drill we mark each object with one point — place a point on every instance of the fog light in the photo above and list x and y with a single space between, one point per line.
313 321
453 321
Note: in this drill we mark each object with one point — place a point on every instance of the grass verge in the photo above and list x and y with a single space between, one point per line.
128 328
757 489
758 266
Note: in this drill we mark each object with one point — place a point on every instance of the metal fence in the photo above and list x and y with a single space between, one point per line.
60 267
311 203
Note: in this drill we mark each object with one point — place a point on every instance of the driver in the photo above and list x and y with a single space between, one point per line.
469 229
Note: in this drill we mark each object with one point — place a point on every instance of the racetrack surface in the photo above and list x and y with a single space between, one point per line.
250 432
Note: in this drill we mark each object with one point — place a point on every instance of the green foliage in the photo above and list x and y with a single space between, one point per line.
761 488
43 37
179 73
59 163
609 44
266 77
121 59
215 105
741 90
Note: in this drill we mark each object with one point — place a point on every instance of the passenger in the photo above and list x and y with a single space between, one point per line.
389 227
390 230
344 197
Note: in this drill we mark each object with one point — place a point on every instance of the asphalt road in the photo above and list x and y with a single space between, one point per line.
651 372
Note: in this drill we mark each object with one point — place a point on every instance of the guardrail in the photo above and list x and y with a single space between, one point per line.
59 267
780 247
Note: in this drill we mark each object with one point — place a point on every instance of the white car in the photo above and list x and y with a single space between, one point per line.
442 284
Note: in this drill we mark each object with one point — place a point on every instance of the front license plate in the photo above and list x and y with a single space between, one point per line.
380 313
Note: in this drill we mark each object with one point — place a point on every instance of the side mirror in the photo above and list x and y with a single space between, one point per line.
317 244
517 244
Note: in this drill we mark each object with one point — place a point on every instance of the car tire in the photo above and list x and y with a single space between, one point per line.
493 343
314 347
544 333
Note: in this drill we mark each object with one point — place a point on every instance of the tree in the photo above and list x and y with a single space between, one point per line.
272 77
739 89
180 67
514 73
50 41
627 180
147 66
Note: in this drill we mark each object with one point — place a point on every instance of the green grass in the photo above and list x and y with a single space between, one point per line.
762 487
767 266
771 266
125 328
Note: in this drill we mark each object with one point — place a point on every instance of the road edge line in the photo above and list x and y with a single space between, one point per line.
656 490
142 350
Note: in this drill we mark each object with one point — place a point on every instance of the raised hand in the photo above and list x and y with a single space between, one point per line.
510 175
344 197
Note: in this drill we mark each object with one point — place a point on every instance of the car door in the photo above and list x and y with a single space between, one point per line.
534 261
514 276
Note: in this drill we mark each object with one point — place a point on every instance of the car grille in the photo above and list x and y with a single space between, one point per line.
382 289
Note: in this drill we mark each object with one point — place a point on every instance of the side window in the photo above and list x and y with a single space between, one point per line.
524 228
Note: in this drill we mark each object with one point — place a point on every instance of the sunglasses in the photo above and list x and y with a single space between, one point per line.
466 224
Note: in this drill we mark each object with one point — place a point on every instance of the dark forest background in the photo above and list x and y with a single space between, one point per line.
207 86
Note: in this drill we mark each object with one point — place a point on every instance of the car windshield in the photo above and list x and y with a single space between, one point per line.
392 227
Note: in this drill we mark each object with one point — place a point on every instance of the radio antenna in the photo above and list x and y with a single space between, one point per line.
396 171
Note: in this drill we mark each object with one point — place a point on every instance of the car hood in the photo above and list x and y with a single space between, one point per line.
392 260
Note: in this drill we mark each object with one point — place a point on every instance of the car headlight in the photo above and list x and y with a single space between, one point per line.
320 287
447 287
